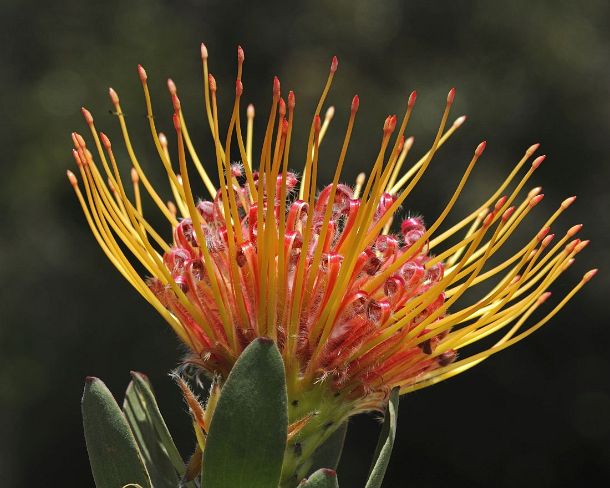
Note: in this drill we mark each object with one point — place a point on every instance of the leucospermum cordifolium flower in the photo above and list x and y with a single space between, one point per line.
355 308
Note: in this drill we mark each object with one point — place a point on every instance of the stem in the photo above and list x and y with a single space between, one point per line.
330 409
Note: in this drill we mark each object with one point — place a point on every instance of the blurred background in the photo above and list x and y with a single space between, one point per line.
535 415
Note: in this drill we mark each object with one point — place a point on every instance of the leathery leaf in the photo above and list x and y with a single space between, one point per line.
113 453
247 437
161 457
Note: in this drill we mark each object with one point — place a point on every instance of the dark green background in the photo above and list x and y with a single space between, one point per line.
536 415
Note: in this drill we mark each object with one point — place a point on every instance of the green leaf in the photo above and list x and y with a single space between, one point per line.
113 453
322 478
383 451
247 437
161 457
329 453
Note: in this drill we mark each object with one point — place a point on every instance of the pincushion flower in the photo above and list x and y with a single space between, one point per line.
355 308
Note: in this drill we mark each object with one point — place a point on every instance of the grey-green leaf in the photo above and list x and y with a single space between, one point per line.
161 457
329 453
113 453
322 478
247 437
383 451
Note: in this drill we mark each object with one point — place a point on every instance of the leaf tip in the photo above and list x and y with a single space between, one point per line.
267 341
138 374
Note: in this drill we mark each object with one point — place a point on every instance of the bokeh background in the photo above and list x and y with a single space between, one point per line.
536 415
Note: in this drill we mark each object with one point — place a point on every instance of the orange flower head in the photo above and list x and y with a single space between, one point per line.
355 308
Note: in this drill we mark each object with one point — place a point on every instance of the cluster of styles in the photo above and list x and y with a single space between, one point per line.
355 307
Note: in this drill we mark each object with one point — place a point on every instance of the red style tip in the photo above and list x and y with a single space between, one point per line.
589 274
543 232
212 82
355 103
291 100
500 203
386 123
79 141
459 121
239 88
135 178
204 51
71 178
316 123
534 191
536 200
480 148
250 111
538 161
543 298
391 123
282 108
506 215
240 55
113 96
76 157
401 143
567 202
142 73
412 99
574 230
284 127
572 245
532 149
176 103
177 124
171 86
334 64
547 240
87 115
489 219
276 86
582 245
105 140
450 96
